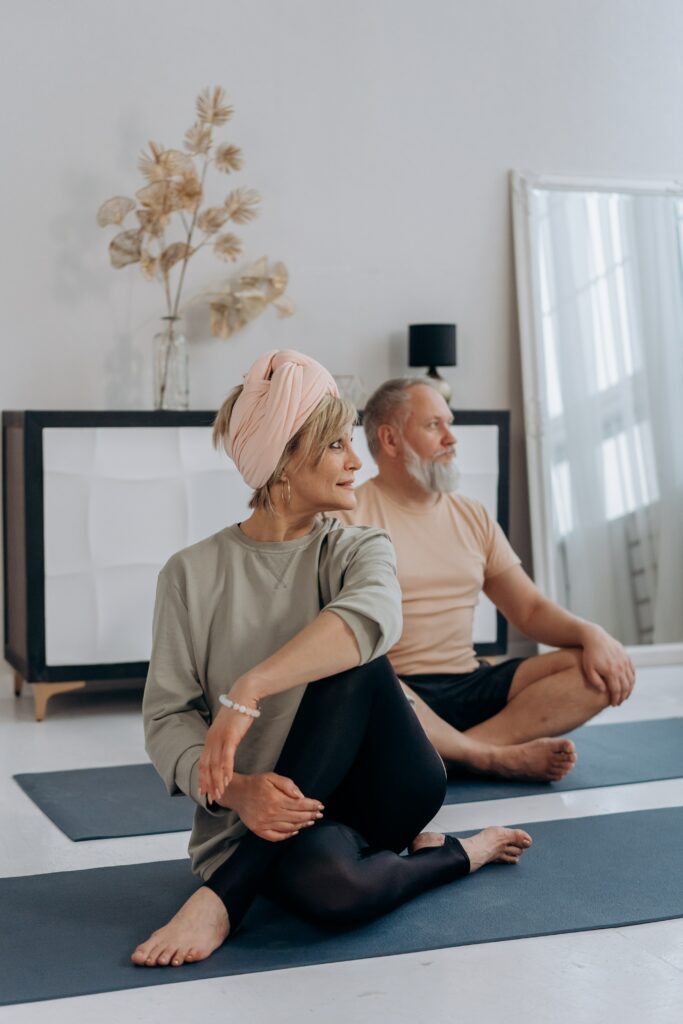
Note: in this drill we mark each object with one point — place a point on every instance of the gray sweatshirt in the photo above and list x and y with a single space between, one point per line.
223 606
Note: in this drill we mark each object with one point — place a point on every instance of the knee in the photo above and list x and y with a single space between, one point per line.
346 899
375 680
599 698
334 889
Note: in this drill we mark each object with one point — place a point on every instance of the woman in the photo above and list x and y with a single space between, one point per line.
306 793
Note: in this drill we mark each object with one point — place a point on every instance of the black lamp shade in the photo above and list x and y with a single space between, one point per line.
431 345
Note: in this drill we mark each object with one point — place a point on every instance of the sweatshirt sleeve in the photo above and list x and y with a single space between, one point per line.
367 595
175 713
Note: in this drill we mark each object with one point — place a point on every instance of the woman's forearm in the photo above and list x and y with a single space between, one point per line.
322 648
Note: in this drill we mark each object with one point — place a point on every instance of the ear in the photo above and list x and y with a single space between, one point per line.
389 439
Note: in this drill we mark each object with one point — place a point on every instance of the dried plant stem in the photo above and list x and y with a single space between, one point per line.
188 251
167 356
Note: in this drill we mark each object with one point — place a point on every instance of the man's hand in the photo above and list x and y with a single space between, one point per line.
607 666
271 806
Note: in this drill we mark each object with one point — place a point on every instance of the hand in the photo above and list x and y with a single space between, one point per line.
607 666
271 806
217 763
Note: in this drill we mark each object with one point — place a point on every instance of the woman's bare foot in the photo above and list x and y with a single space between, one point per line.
546 760
495 843
425 840
200 927
500 844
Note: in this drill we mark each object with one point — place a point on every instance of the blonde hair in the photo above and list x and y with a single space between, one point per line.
329 420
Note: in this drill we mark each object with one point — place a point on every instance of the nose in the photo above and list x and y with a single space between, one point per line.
352 460
449 438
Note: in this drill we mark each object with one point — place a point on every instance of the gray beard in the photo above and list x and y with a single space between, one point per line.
438 477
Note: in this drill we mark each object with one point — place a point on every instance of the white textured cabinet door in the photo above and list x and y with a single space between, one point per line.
119 501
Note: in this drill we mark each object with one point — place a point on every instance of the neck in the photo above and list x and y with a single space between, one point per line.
279 525
395 481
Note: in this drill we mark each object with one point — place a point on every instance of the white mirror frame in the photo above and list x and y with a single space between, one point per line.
535 412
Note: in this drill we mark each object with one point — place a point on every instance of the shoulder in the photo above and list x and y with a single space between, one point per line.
345 543
468 507
473 515
196 558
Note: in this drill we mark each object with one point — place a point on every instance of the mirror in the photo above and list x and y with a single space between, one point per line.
600 291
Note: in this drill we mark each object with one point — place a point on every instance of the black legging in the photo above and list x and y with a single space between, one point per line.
357 746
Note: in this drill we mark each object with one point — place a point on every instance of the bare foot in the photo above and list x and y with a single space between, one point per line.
500 844
545 760
200 927
425 840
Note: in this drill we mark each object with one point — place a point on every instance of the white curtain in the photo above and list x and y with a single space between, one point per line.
610 295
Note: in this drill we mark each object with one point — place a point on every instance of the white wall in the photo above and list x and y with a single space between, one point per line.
380 133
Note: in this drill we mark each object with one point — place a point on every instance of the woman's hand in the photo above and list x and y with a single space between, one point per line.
217 763
271 806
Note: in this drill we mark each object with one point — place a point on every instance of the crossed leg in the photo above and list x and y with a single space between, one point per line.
356 744
549 695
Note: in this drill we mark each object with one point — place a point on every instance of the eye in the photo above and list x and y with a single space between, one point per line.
337 445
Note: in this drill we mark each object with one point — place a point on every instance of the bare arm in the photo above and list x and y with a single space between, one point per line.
523 605
322 648
605 662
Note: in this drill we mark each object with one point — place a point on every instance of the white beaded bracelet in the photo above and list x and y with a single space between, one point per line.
242 708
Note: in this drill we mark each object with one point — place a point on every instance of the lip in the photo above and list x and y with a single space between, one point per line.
347 483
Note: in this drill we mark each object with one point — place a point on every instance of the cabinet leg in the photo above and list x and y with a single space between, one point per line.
43 691
18 684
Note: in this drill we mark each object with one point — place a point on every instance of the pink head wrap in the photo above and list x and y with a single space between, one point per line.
281 390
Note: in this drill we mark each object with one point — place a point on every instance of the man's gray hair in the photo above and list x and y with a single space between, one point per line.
388 404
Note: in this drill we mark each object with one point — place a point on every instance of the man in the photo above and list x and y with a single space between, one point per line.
503 718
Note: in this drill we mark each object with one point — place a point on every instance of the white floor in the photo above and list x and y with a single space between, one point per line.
626 974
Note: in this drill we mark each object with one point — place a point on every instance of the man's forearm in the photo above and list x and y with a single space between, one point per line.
554 626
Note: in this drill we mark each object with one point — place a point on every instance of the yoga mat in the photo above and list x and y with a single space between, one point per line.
131 800
608 755
71 933
107 803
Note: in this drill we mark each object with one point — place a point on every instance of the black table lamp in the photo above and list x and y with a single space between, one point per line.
433 345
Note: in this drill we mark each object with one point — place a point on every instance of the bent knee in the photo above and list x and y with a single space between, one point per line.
344 903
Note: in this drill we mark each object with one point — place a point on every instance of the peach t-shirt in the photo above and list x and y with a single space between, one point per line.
444 555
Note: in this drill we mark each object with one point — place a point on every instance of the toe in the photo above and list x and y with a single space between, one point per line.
141 952
153 955
164 958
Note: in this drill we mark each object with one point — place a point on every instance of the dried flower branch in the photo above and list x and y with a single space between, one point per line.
173 194
245 297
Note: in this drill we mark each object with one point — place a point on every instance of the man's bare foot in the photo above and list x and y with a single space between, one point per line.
200 927
500 844
545 760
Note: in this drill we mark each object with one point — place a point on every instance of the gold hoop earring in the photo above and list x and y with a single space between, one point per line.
286 497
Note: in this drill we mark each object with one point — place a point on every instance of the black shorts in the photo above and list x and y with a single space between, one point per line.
469 698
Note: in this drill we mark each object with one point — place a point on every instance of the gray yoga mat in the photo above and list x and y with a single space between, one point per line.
107 803
608 755
131 800
70 933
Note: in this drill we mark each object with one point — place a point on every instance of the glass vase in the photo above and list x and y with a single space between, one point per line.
171 381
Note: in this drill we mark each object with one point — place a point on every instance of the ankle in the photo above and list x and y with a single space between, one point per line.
481 756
